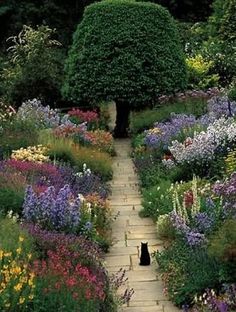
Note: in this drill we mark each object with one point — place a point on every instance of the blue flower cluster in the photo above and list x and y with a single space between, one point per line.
164 132
53 211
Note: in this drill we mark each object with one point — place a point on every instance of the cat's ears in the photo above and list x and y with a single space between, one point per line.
144 243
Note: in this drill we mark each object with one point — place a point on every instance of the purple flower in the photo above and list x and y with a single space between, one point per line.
194 238
203 222
59 211
220 106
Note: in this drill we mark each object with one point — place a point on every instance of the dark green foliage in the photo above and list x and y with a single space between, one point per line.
232 92
124 51
222 244
220 46
35 67
190 271
222 23
11 199
15 135
59 14
188 10
157 200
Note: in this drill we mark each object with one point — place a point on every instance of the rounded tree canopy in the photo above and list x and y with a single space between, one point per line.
124 51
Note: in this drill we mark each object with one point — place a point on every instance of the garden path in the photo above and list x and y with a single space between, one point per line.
128 232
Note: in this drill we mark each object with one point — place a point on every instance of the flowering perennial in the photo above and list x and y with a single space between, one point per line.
16 279
41 116
204 146
53 211
31 153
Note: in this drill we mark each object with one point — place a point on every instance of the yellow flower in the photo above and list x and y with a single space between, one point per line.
1 254
18 250
16 270
21 300
18 287
31 297
8 254
29 256
21 239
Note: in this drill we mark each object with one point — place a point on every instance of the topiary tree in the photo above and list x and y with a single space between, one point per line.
124 51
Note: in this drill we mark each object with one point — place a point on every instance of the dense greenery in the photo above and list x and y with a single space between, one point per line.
59 14
111 60
34 68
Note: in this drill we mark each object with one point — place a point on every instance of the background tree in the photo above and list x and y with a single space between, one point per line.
222 39
188 10
124 51
35 67
59 14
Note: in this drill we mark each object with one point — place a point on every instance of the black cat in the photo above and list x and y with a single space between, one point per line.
145 256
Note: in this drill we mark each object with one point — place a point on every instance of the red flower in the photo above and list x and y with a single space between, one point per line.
188 198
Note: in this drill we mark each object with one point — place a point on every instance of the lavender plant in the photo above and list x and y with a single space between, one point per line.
162 133
53 211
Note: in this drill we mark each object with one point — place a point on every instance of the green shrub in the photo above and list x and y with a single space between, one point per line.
10 200
35 67
220 46
165 228
222 243
222 22
199 73
124 51
187 271
157 200
15 135
232 92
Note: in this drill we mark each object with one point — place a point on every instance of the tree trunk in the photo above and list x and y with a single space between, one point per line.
122 120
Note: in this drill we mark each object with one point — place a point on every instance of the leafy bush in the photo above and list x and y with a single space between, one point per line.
130 60
10 231
187 272
35 66
165 229
220 46
222 244
12 188
15 135
157 200
199 73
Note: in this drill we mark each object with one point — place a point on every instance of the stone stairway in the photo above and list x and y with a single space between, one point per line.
129 230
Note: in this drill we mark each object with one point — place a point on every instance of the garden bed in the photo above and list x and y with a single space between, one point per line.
55 219
187 166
